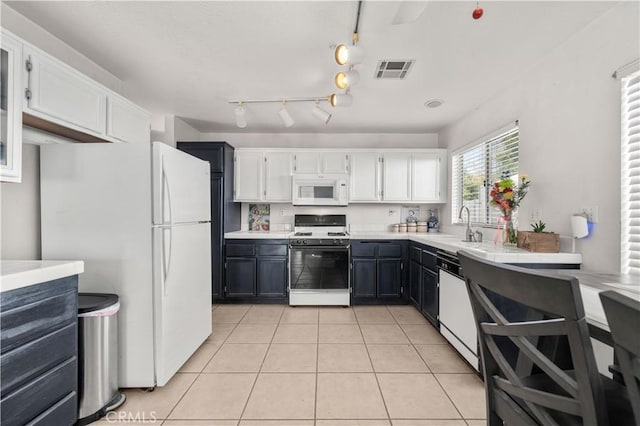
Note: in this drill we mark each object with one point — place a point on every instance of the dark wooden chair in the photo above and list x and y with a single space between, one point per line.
623 316
539 368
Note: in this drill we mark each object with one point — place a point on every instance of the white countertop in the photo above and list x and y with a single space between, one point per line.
258 235
487 250
22 273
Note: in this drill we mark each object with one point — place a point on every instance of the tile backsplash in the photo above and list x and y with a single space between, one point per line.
360 217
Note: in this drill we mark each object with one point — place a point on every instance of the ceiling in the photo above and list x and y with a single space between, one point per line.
189 58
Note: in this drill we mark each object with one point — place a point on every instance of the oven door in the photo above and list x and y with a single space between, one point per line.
313 269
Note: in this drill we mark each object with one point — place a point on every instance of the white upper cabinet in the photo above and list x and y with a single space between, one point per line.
426 180
59 94
126 121
278 169
396 180
334 162
321 162
11 109
306 162
60 100
365 176
248 176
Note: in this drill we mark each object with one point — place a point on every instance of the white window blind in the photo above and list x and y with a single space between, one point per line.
476 167
631 174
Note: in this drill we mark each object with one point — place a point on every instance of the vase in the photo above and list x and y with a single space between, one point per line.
509 235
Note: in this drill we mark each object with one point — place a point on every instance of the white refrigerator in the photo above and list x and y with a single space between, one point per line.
139 216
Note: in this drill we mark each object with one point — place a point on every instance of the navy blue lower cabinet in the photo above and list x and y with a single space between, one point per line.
39 354
430 292
378 272
390 278
415 275
363 278
240 277
256 271
272 277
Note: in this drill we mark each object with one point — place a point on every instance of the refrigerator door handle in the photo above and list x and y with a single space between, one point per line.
166 258
167 195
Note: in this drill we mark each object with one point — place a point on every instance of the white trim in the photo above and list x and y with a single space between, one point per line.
494 134
626 69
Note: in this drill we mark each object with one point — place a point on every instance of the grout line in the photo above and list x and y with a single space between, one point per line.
375 375
253 386
315 396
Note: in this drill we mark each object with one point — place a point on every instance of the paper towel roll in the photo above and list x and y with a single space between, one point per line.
579 226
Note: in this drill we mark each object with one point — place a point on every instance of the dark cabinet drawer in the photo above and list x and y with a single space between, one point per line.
241 249
415 254
363 248
390 250
272 249
39 314
64 412
429 260
38 396
27 362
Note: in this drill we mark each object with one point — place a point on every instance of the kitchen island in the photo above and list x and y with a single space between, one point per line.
39 341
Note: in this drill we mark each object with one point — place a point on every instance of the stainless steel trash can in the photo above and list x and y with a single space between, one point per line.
98 356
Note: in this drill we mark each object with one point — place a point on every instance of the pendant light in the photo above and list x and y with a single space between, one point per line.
321 114
285 116
241 120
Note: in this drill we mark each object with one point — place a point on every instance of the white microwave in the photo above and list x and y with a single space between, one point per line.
320 190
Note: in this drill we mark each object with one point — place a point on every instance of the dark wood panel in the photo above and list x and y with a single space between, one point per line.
364 278
389 278
32 312
272 249
390 249
63 412
29 361
272 277
240 249
240 277
363 248
31 400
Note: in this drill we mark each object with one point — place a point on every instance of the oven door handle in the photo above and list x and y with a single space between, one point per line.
320 248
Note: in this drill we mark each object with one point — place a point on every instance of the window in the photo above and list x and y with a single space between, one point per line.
630 219
476 167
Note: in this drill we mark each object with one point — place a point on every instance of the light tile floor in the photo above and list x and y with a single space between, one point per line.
275 365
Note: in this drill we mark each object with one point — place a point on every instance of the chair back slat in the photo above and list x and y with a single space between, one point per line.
623 316
550 314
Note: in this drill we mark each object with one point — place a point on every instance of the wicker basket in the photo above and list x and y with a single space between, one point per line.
539 242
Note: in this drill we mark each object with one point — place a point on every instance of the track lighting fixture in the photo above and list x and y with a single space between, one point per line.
321 114
340 100
349 55
285 116
241 120
346 79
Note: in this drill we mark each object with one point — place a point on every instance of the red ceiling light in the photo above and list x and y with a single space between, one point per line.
477 12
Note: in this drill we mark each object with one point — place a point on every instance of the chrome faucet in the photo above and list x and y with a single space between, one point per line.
469 237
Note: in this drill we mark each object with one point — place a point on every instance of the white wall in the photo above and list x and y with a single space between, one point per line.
170 129
325 140
569 112
20 210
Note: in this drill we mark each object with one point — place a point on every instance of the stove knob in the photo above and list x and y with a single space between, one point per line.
298 241
336 242
304 241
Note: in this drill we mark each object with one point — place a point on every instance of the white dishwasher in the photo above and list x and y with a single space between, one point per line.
457 324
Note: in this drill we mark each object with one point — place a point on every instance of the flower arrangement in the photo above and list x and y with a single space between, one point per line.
507 196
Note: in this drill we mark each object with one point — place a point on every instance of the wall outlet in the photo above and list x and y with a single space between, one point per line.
535 215
281 212
591 213
391 212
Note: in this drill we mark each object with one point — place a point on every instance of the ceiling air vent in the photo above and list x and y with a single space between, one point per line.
393 69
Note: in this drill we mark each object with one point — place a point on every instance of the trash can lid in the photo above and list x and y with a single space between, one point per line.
90 302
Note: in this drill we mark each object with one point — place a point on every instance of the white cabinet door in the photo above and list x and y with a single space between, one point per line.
64 96
126 121
306 162
278 167
248 176
425 177
11 111
396 182
365 176
334 162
